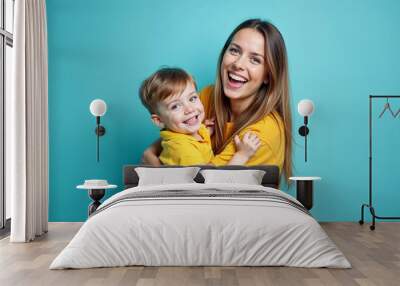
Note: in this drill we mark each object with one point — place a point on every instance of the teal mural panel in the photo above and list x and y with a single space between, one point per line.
339 53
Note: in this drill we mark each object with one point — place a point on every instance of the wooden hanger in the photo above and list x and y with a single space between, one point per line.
387 107
397 113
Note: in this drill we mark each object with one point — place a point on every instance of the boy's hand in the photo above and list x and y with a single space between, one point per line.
209 123
248 145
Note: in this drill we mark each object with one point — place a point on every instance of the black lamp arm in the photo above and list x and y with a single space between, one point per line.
303 131
100 131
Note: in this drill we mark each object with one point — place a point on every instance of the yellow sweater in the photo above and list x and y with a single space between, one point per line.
183 149
270 130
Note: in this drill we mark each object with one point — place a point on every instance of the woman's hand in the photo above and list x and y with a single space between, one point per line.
248 145
209 123
150 155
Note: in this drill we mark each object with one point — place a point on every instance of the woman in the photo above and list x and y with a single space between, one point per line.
251 94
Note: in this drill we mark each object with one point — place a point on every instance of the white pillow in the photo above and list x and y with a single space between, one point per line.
165 176
248 177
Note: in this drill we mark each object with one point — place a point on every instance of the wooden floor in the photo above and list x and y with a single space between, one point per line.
374 255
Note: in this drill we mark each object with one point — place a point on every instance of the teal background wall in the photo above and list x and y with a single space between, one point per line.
339 53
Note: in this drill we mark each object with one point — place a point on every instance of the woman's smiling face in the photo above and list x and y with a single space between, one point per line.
243 67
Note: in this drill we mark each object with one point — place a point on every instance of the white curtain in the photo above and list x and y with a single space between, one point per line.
27 124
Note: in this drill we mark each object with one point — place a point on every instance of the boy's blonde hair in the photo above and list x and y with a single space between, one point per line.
162 84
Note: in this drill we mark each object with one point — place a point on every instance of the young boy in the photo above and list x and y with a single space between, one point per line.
171 98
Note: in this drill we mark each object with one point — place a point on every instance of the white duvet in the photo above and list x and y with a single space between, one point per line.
183 231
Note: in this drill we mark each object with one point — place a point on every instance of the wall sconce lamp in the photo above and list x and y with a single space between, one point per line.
305 109
98 108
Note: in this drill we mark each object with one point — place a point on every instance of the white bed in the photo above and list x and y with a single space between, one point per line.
223 224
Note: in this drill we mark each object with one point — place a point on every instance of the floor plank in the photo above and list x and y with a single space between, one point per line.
374 255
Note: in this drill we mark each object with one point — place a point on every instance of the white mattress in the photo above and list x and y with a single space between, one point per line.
183 231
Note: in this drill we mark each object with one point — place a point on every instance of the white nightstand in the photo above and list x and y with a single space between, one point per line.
96 190
304 190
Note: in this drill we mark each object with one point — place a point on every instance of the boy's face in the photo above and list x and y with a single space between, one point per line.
181 113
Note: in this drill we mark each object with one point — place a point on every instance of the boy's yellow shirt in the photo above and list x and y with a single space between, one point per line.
270 130
183 149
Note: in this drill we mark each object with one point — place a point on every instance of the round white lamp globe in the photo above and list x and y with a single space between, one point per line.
305 107
98 107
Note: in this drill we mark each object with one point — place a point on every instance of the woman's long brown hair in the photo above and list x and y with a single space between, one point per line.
272 96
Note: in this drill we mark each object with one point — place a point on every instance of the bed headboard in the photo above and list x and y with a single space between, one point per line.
270 179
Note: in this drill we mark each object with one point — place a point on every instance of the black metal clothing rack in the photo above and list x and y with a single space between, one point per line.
369 205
